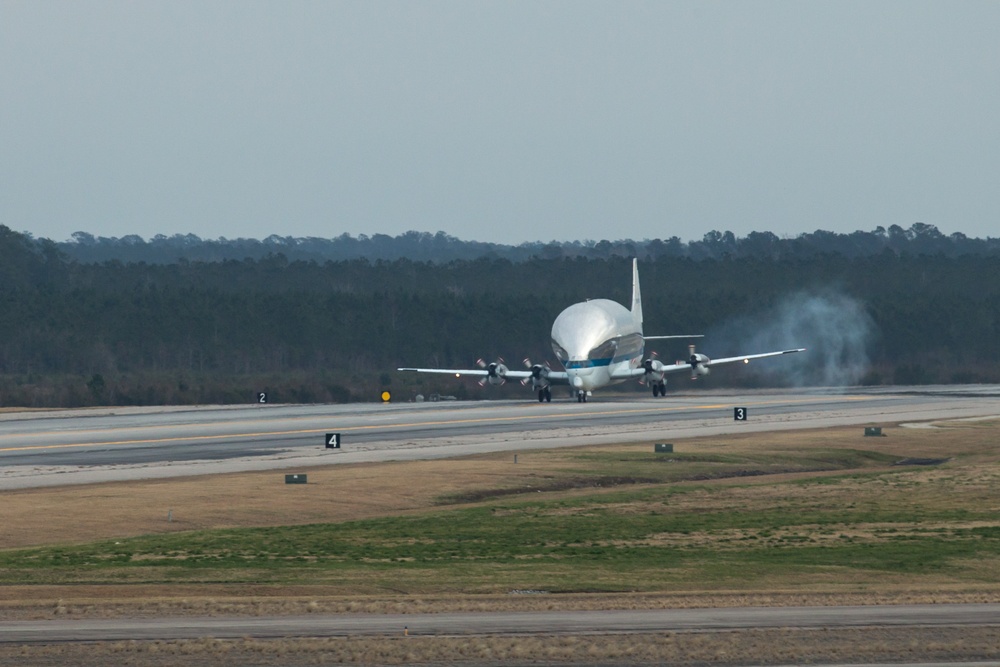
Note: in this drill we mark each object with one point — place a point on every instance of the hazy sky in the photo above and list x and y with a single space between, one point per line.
498 121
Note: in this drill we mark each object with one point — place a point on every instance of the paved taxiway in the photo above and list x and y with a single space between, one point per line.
504 623
85 446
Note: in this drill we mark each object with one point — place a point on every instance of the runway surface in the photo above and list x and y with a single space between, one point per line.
58 447
503 623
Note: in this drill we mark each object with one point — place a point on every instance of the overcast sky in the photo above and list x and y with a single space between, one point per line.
498 121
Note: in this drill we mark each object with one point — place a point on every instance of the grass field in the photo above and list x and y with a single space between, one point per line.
813 517
809 512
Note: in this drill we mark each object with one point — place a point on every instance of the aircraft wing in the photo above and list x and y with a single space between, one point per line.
459 372
677 336
639 372
554 377
747 357
707 363
627 373
702 361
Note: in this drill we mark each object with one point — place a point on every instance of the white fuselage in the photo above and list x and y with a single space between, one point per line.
595 339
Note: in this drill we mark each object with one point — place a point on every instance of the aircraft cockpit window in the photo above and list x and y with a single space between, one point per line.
562 354
605 350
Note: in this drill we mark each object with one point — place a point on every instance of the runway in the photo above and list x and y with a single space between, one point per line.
59 447
502 623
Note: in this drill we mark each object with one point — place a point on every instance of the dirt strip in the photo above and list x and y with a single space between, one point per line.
758 647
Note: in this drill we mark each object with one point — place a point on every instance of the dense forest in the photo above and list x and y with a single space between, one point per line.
889 306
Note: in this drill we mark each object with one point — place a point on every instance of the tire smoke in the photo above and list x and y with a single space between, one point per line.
834 328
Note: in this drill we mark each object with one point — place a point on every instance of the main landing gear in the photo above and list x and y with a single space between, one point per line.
581 396
545 395
659 389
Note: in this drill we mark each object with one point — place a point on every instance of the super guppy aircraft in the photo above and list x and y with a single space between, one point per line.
600 343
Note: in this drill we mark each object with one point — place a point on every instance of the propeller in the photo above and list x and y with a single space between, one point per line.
496 372
539 373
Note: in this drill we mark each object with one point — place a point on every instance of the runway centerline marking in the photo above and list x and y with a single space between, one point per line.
445 422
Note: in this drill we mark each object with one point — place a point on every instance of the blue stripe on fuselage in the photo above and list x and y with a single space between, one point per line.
586 363
593 363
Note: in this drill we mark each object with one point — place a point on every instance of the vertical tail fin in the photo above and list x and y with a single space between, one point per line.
636 296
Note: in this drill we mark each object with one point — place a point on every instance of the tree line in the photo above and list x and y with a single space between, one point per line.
131 333
920 238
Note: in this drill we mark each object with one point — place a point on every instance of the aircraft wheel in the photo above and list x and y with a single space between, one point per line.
548 395
541 395
656 390
663 389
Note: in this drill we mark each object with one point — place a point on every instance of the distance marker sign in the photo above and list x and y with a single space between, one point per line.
740 414
333 441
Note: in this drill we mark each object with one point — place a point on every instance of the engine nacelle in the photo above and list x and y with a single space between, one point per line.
699 364
539 377
654 370
496 373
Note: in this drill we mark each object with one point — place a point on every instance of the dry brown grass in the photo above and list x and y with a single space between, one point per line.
76 514
343 493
